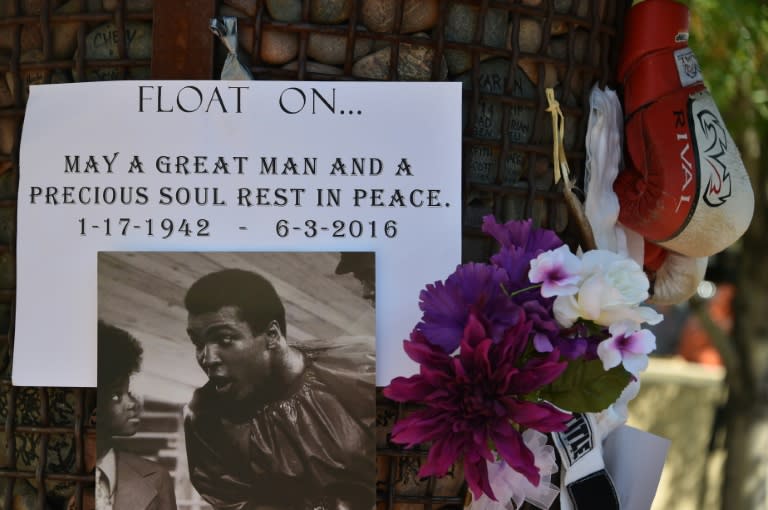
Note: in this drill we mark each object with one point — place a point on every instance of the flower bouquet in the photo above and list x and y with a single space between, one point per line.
510 350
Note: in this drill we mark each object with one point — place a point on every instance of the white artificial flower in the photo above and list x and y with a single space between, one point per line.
557 270
611 290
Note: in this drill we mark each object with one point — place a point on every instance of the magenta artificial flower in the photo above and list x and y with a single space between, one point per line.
477 399
473 287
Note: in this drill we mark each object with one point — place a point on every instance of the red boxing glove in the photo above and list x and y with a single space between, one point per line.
684 185
654 257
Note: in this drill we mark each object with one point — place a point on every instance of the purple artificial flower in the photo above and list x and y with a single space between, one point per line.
520 243
473 287
576 342
546 330
521 235
475 399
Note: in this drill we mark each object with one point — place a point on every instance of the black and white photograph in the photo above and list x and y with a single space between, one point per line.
236 380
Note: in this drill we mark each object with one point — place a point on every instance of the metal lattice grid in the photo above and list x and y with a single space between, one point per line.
505 54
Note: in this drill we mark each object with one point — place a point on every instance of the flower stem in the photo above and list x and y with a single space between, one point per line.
519 291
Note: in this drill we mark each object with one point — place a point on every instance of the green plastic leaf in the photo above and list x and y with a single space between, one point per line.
585 387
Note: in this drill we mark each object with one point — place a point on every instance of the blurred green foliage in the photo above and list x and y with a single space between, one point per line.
730 40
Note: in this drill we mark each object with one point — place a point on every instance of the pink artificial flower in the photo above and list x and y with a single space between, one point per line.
628 345
558 271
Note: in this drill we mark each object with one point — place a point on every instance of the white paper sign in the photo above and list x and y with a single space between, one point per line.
216 165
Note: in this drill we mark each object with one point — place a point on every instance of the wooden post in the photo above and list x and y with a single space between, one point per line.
182 44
